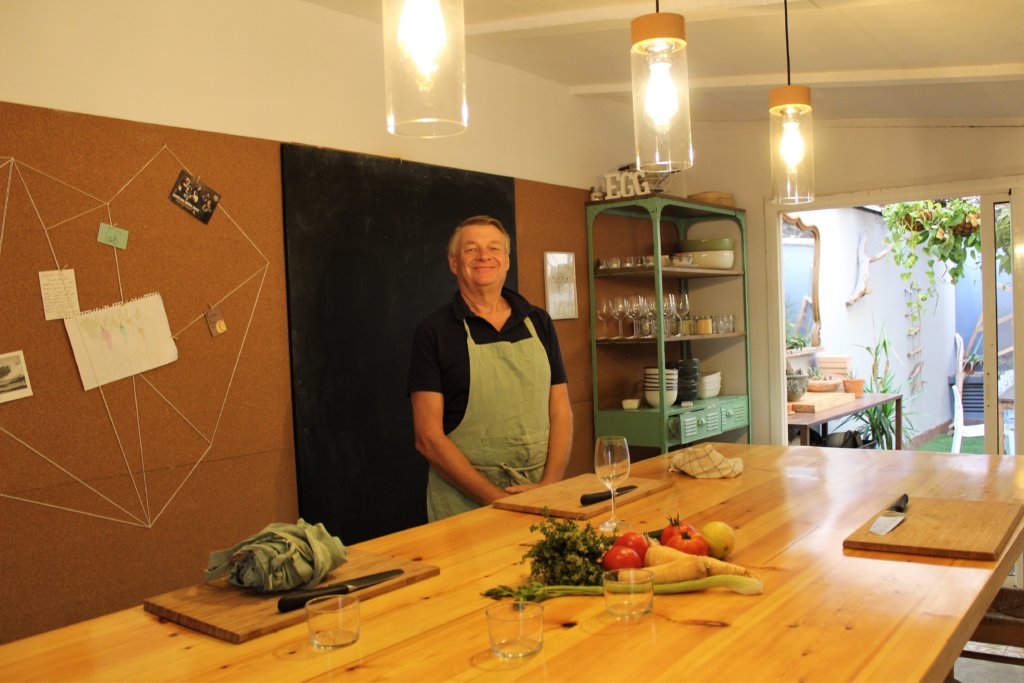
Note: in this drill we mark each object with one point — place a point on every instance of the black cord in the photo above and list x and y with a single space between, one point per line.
785 9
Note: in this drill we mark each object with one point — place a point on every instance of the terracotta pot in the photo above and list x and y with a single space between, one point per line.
854 386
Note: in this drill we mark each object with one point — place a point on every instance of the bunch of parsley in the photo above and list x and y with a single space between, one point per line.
568 555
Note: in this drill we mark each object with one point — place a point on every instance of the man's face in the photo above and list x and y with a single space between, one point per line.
480 259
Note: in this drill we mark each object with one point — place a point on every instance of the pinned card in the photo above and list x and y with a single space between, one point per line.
194 197
60 293
115 237
215 320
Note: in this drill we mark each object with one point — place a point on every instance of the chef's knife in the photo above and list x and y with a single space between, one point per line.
591 498
297 599
891 518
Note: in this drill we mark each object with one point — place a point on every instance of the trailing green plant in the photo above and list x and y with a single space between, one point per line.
879 423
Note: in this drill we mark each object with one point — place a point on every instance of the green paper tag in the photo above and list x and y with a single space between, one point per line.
115 237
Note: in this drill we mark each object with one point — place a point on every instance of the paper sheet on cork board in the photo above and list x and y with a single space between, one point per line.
121 340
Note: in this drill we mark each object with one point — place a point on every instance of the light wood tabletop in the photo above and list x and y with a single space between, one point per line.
827 614
804 421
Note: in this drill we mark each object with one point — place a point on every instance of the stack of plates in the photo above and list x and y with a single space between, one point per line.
652 385
689 378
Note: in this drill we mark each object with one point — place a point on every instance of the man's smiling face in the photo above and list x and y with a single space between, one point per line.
481 259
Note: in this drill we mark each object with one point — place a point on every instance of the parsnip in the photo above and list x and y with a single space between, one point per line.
689 568
660 554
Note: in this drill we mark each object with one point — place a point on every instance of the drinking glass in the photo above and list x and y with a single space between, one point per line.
636 309
671 317
611 464
684 304
604 314
619 313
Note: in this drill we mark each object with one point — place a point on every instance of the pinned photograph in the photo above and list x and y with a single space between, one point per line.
194 197
14 382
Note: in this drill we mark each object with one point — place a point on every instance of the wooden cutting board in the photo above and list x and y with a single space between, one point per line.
812 402
969 529
236 614
563 499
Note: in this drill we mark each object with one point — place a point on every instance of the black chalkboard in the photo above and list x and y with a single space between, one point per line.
365 248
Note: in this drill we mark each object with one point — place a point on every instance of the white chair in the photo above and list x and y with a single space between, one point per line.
960 430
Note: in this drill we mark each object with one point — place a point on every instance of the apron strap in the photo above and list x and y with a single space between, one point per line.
516 473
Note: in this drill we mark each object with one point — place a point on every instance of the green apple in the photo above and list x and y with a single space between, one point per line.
721 539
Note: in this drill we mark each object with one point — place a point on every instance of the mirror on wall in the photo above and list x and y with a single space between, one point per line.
801 257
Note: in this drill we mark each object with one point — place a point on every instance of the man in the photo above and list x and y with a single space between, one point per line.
490 402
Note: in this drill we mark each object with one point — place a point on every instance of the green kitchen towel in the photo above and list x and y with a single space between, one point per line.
280 558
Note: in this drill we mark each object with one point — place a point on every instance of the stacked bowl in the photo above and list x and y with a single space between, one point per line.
709 385
652 386
689 378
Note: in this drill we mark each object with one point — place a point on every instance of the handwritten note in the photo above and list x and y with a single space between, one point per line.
60 293
115 237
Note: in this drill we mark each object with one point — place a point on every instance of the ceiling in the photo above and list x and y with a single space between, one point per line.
938 60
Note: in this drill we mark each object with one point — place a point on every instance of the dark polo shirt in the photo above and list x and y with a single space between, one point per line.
440 356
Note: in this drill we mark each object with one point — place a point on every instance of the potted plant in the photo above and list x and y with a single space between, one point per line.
796 383
854 385
878 424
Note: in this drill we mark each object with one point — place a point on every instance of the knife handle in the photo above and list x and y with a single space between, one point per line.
294 601
591 498
901 504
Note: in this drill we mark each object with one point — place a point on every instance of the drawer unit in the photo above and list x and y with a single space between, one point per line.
734 412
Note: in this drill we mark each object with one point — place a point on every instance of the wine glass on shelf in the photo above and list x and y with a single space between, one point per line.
611 464
619 312
604 314
636 309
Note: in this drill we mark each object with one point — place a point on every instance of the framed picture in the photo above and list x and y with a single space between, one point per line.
14 382
560 284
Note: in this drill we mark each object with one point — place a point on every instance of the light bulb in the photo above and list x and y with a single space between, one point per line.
661 101
791 147
421 35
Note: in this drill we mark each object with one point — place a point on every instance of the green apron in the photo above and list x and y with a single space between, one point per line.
504 432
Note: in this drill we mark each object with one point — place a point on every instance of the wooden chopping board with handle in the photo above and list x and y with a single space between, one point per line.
968 529
563 498
237 614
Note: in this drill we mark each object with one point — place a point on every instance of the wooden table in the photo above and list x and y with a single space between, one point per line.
807 420
827 614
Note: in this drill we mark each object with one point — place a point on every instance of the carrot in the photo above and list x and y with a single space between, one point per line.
689 568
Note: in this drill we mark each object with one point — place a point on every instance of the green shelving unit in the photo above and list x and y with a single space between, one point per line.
667 427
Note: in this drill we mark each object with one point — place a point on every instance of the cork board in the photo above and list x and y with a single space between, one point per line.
138 480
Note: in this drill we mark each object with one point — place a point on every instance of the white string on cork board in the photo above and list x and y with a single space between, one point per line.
155 178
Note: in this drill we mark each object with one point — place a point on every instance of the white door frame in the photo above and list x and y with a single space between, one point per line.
773 274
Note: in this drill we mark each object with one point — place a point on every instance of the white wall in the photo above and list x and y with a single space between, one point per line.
292 71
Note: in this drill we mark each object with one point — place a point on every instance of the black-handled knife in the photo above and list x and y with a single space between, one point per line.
297 599
591 498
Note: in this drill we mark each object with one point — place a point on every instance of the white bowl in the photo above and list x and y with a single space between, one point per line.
708 392
653 398
630 403
711 377
722 260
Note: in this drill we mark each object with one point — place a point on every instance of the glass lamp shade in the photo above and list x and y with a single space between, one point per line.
661 93
425 67
791 128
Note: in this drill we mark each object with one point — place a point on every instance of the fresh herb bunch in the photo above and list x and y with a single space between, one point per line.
568 555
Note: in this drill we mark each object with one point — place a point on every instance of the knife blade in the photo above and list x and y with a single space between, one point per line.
297 599
891 518
591 498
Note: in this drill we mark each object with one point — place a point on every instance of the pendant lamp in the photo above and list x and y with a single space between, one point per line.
791 134
661 93
425 67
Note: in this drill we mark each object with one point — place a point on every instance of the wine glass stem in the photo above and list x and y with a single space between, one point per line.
612 519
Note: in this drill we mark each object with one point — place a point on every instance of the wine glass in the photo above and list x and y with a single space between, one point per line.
619 313
611 464
636 309
604 314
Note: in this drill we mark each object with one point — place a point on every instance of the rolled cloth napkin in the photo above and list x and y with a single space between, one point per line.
280 558
704 462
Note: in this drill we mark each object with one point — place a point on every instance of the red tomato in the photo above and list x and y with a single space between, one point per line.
675 528
637 542
689 541
621 557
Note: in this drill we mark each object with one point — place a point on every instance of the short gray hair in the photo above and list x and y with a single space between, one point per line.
479 220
